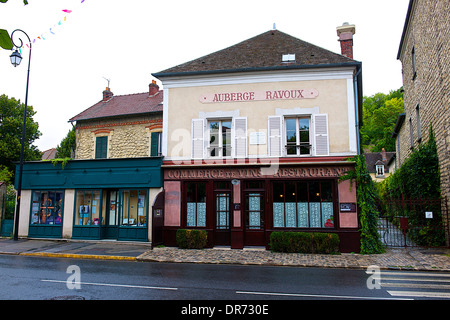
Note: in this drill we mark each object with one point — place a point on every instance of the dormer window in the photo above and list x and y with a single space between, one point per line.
380 170
289 57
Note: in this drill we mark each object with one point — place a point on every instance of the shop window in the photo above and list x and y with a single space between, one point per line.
303 204
196 204
87 208
219 138
47 208
133 207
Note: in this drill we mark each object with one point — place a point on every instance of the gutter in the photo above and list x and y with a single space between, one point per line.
356 87
398 125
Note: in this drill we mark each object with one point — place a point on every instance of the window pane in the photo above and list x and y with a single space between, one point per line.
303 204
303 124
254 206
87 207
196 205
226 138
291 136
46 207
142 208
101 147
36 207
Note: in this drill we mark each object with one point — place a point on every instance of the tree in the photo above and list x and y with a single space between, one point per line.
380 113
25 2
11 123
64 149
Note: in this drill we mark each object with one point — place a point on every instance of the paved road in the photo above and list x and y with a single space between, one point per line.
38 278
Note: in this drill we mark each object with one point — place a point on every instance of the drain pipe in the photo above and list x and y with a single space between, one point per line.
358 149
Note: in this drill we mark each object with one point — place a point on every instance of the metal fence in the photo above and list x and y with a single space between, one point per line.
414 222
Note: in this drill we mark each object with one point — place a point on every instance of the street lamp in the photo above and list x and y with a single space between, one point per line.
16 58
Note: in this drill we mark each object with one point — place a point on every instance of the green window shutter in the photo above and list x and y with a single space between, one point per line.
154 144
101 147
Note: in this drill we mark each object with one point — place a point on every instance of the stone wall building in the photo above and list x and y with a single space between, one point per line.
124 124
112 189
425 55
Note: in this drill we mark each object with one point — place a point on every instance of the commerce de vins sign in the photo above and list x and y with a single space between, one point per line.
269 95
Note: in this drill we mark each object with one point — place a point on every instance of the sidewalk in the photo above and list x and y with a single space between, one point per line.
394 258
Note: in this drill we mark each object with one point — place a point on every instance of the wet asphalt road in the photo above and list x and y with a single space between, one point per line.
25 278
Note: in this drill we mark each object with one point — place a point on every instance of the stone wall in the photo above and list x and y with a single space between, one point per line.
128 137
427 89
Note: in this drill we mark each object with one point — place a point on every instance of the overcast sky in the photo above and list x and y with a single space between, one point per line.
126 41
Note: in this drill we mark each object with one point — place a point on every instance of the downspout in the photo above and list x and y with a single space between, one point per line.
355 90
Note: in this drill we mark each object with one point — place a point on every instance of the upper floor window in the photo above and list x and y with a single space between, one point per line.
411 133
155 144
219 138
298 136
101 147
419 125
413 60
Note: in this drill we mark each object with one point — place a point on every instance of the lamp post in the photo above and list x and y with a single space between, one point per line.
16 58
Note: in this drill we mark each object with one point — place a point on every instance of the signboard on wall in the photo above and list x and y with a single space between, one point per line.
266 95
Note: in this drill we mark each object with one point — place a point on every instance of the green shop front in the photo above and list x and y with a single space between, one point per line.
91 199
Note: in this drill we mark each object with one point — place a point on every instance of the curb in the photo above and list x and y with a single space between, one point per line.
77 256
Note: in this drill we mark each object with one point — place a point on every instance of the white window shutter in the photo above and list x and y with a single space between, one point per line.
198 133
240 137
275 135
321 141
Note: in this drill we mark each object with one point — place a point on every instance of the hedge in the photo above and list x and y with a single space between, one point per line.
191 239
304 242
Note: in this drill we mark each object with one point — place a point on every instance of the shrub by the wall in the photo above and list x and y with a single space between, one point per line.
191 239
304 242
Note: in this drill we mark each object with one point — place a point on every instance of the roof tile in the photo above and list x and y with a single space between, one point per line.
262 51
123 105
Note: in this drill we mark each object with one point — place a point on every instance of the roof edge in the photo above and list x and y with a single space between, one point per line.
405 27
353 63
398 125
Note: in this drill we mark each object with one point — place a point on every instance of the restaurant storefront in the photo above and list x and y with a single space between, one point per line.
239 206
90 199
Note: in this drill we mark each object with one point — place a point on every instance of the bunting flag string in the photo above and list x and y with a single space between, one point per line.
54 28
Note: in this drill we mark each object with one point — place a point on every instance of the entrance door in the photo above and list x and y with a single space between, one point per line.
254 218
222 203
158 219
111 215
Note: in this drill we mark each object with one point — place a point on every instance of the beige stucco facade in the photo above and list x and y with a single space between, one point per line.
335 98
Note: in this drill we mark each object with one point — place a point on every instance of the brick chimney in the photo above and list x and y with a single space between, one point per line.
383 155
107 94
153 88
345 34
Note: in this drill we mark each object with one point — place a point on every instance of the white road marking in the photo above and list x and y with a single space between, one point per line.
423 294
315 295
114 285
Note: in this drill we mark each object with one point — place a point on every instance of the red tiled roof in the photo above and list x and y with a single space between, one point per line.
49 154
263 51
123 105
